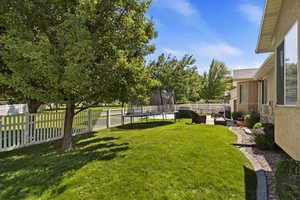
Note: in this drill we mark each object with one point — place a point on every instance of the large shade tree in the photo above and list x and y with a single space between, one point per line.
134 86
12 95
178 77
9 93
73 52
215 82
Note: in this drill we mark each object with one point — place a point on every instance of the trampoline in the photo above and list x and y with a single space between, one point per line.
145 112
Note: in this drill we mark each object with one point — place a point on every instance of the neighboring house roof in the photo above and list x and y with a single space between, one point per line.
268 25
266 67
244 74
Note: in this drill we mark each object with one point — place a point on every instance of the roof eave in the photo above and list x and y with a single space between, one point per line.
263 50
266 67
264 44
248 79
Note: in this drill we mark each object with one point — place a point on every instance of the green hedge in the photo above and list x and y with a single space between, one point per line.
288 180
258 125
264 136
236 115
252 119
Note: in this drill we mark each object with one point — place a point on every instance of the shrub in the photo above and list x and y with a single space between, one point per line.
265 142
264 136
288 180
258 125
216 115
227 113
269 128
252 119
183 101
236 115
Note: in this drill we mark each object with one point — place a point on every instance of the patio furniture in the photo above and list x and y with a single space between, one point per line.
189 114
220 121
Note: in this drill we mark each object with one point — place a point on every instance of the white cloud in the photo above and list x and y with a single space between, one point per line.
218 50
252 12
183 7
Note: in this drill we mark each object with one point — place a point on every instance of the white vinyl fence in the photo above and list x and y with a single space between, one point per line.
204 108
17 131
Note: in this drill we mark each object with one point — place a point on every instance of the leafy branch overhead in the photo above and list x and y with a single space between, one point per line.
75 52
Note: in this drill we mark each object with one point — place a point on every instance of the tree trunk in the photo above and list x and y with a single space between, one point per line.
33 105
67 139
174 97
161 97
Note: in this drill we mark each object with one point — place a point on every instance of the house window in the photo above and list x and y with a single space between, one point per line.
287 72
264 92
242 94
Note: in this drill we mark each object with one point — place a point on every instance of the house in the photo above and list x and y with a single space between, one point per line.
266 89
244 96
279 77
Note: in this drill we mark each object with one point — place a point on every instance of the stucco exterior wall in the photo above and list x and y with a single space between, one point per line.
271 86
251 103
287 130
242 107
233 100
252 96
267 110
287 118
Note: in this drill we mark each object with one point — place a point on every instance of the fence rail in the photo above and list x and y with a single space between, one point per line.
17 131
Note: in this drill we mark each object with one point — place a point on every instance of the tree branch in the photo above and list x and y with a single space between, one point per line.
84 108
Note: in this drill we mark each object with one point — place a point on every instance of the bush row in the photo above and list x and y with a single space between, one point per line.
250 119
288 180
264 136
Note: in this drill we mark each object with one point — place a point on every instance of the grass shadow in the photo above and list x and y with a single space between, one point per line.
96 140
43 168
51 146
250 183
145 125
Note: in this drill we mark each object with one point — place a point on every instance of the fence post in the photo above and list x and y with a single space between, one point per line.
27 128
122 116
108 118
90 125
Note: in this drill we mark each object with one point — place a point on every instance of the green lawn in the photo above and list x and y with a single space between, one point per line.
154 161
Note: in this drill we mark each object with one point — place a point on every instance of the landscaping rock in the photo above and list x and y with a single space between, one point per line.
268 160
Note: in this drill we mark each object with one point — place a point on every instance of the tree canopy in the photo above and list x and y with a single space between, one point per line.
75 52
177 76
216 81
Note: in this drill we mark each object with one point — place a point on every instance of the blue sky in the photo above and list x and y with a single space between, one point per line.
226 30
